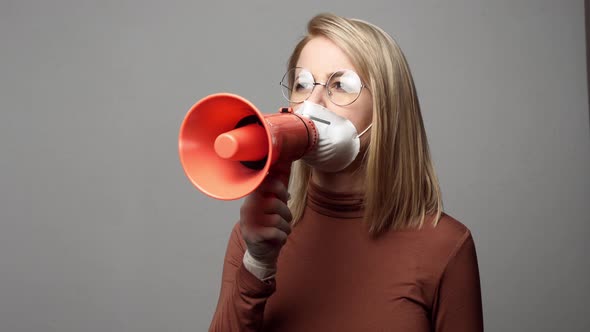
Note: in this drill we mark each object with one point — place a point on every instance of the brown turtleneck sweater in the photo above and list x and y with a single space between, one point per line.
332 276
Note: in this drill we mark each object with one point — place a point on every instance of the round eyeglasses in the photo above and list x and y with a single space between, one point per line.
343 87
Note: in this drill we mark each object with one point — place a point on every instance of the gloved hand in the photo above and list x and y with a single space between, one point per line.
265 220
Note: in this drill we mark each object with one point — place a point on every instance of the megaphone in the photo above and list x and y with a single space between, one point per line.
227 146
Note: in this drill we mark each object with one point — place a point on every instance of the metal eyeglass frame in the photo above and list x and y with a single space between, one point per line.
325 85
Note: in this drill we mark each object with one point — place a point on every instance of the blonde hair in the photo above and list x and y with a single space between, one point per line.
402 188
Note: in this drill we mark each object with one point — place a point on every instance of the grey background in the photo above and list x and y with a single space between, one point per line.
101 231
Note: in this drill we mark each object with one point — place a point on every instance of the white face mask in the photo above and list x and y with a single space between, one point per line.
338 144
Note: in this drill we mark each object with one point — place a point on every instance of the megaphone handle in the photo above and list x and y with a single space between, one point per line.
282 170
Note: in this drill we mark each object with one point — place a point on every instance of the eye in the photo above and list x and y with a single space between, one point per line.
336 85
345 81
303 81
302 86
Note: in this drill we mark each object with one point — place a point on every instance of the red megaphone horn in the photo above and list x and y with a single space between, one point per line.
227 146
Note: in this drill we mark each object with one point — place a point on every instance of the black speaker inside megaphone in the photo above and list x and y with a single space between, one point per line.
227 146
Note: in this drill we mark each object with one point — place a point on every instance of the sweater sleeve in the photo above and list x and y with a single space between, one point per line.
457 303
243 296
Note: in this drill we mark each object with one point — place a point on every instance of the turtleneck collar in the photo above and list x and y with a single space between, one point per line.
344 205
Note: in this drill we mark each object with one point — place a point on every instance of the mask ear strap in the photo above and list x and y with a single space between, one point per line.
364 131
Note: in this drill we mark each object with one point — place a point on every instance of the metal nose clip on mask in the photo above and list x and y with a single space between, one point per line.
339 142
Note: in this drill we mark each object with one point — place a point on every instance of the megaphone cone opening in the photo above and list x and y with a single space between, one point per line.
204 123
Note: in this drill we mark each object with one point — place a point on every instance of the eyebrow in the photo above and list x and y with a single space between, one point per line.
327 75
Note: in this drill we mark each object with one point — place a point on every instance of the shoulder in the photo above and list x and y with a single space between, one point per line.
433 243
445 239
448 229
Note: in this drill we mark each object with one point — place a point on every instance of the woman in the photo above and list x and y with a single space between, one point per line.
362 244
